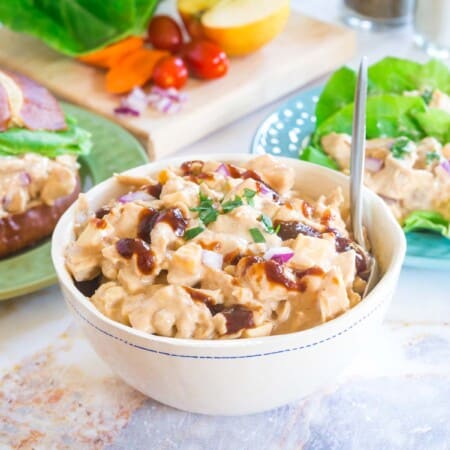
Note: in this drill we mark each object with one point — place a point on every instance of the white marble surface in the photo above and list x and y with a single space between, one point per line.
55 392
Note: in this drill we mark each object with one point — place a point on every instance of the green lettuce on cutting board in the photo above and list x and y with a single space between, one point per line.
389 113
74 27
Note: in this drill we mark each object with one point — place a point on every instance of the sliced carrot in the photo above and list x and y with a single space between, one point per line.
135 69
110 56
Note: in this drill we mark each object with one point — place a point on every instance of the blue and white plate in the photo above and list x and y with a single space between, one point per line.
285 131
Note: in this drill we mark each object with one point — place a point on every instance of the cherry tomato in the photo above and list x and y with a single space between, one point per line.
164 33
170 72
205 59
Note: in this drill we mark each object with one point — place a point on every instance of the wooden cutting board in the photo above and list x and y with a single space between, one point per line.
305 50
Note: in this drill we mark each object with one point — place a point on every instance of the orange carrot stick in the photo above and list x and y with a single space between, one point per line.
110 56
135 69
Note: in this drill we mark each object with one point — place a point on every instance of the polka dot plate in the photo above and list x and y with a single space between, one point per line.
288 129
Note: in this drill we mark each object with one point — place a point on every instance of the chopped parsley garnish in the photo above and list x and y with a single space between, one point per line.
249 194
401 147
256 235
268 225
232 204
432 156
192 232
206 211
427 96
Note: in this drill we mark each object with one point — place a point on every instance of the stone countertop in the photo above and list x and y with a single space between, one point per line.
55 393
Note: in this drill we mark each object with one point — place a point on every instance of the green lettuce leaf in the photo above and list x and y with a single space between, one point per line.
434 122
435 75
395 75
75 140
74 27
388 76
427 221
337 93
386 115
317 156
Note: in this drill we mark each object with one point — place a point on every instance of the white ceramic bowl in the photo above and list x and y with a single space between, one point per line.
245 375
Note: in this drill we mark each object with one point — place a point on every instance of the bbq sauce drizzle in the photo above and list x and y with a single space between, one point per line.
237 317
140 246
276 272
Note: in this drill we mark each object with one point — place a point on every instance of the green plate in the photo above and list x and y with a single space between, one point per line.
114 150
289 128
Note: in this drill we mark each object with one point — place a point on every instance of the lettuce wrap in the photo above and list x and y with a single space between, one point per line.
389 114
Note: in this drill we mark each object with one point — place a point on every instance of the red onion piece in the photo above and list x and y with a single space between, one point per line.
170 93
279 254
374 164
134 196
136 99
212 259
25 178
158 91
167 101
264 189
134 103
126 111
223 170
446 166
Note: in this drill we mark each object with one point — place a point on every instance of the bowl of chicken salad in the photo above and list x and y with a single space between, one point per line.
225 284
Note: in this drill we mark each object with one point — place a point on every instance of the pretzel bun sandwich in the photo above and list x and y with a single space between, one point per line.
39 147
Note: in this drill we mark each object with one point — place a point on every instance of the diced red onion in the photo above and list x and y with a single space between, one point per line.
170 93
25 178
134 103
223 170
264 189
163 104
446 166
136 99
156 90
126 111
374 164
279 254
136 195
167 101
212 259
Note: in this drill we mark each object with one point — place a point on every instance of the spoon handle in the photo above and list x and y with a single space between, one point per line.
358 153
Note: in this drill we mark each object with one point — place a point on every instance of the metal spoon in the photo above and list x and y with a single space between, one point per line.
357 169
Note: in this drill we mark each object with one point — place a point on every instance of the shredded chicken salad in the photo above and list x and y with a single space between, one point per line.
30 179
409 176
212 250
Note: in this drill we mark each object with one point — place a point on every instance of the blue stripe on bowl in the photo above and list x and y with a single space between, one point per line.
255 355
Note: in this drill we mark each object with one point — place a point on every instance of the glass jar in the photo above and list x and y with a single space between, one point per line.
432 27
378 14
